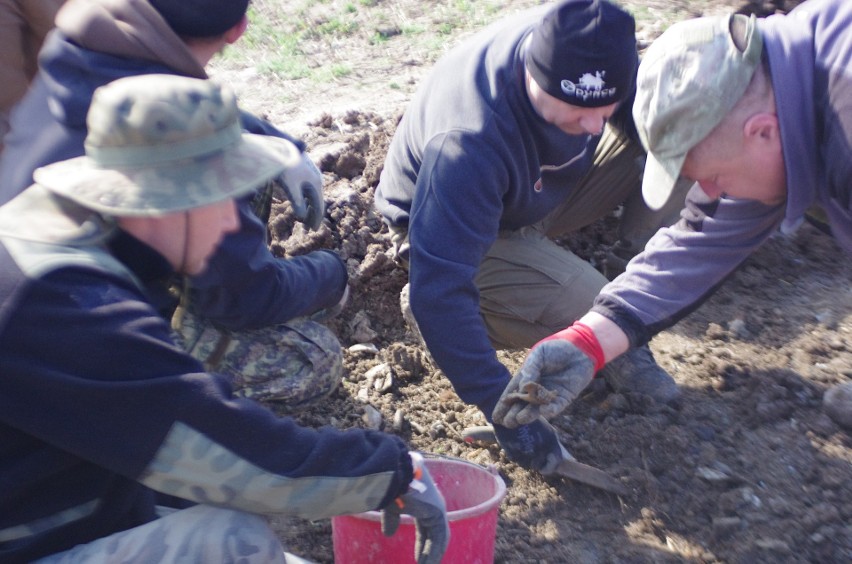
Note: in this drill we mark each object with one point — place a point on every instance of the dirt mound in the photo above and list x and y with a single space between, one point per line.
748 469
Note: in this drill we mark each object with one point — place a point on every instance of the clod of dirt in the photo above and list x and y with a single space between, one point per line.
838 404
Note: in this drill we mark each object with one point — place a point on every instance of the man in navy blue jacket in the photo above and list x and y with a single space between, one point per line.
102 415
762 123
245 288
521 134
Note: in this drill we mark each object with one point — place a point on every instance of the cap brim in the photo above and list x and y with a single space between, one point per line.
182 185
659 179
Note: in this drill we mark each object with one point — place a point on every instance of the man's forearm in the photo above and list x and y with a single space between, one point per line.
612 339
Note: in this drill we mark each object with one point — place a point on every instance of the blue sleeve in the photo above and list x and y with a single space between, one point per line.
683 265
254 124
245 286
454 220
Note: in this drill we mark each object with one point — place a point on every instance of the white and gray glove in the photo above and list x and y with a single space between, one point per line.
425 503
302 184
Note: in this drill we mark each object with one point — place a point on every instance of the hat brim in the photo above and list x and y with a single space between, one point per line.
659 179
178 186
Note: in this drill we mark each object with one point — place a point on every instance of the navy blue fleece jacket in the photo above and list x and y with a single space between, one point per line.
100 409
472 157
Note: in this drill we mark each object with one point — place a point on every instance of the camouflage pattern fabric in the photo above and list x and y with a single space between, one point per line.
162 143
293 364
192 466
200 534
261 203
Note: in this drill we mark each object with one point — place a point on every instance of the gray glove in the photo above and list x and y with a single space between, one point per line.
302 184
553 374
425 503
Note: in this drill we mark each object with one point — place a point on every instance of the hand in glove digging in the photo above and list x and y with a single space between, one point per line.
554 373
302 184
534 446
425 503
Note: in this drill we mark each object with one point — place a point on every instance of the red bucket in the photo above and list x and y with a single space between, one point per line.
473 495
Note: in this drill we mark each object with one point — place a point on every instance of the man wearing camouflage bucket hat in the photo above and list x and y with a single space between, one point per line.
250 314
102 417
757 113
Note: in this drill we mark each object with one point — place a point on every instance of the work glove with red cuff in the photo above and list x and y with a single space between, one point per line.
554 373
426 505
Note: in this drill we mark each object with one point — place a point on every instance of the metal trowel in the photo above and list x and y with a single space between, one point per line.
568 468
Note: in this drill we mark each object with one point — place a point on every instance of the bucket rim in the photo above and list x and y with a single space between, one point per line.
493 502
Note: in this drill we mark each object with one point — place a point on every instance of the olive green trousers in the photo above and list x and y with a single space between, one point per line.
531 287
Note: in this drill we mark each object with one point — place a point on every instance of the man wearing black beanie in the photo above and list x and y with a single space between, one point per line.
246 288
522 133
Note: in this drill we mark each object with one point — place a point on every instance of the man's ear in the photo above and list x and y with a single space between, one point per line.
763 127
233 34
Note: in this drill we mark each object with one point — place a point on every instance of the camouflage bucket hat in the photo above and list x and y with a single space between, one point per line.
688 81
159 144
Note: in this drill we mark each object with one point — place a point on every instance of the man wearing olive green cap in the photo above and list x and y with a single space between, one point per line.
104 420
757 113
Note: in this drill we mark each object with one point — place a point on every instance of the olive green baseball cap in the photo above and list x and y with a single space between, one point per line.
688 80
159 144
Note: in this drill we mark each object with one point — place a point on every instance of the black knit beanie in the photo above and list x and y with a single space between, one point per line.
201 18
584 53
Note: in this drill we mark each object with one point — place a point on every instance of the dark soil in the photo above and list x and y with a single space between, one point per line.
749 469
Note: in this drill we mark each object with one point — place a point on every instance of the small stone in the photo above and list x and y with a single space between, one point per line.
361 329
436 430
827 318
773 544
368 348
376 371
398 420
372 418
779 506
704 432
723 527
837 403
386 384
738 328
712 475
751 498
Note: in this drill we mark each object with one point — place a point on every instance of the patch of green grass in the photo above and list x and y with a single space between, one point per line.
340 71
446 28
412 29
299 39
285 68
378 38
334 27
